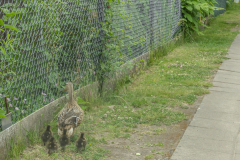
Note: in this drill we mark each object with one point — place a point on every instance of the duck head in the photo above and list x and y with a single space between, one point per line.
68 87
48 127
82 135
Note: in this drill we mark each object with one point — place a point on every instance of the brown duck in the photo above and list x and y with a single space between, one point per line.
71 115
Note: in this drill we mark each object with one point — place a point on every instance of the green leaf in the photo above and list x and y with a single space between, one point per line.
1 22
11 27
189 17
2 114
81 101
197 7
189 8
3 50
2 111
8 36
84 108
6 11
12 14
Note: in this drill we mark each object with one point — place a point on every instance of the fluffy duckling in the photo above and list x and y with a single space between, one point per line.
52 146
81 143
47 134
64 139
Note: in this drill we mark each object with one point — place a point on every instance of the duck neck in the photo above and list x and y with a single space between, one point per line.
70 94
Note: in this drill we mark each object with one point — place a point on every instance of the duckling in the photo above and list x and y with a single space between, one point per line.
64 140
52 146
81 143
71 115
47 134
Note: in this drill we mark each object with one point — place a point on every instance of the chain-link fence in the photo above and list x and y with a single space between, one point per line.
57 43
63 40
221 4
154 23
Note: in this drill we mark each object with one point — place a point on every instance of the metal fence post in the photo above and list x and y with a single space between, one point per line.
100 56
150 14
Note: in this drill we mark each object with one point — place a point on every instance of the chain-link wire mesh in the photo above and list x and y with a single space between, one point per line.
154 23
221 4
61 40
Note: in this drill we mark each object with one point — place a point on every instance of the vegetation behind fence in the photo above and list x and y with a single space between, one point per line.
56 41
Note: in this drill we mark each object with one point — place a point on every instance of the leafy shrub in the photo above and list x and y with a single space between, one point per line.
229 3
7 70
194 12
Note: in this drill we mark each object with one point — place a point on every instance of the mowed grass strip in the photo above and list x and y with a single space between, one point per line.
154 97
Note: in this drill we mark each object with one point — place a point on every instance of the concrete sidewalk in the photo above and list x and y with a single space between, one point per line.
214 132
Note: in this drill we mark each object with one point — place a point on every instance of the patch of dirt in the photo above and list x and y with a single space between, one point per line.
236 28
151 142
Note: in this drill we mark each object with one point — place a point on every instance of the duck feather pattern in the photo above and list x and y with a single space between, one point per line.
71 115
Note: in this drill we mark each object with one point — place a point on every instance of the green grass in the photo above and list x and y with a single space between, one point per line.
160 144
157 96
150 156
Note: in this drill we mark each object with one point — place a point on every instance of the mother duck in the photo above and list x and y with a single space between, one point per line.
71 115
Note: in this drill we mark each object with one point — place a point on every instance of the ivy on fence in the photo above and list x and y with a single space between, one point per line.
79 41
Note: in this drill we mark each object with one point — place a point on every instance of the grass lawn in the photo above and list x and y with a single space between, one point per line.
138 121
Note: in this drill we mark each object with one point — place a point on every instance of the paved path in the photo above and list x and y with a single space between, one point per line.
214 132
